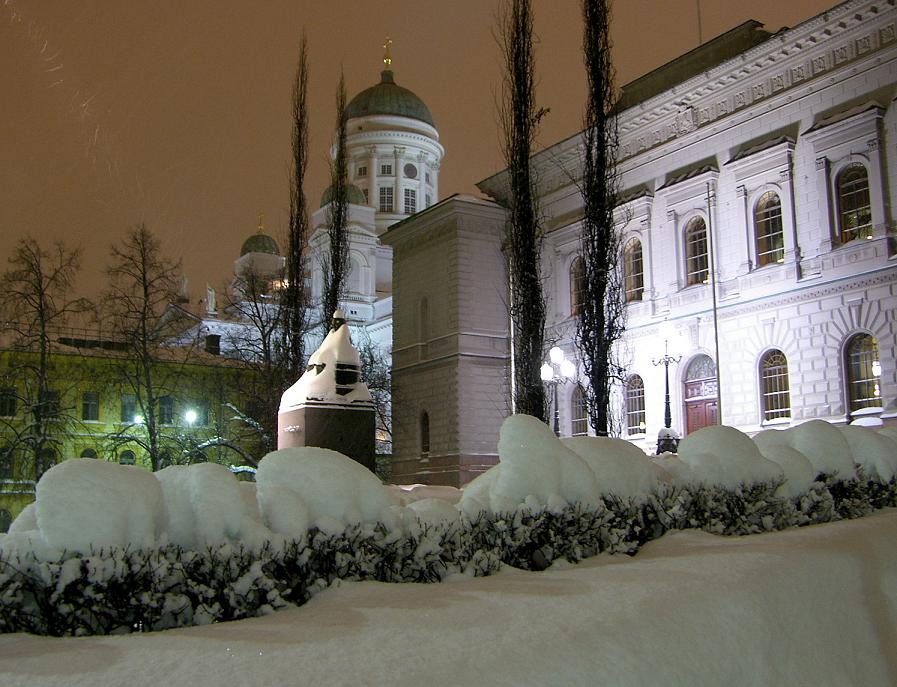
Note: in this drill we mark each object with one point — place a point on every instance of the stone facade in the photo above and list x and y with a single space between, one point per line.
758 169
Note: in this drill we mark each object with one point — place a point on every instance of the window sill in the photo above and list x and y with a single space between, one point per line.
779 421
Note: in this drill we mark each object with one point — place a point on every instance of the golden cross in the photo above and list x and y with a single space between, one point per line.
261 223
387 56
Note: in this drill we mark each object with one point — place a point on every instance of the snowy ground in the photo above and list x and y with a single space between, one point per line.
811 606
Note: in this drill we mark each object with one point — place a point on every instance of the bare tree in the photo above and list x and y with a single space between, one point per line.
519 119
601 319
36 303
142 283
336 261
293 301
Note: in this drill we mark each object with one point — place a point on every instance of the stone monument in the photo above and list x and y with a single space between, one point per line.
330 406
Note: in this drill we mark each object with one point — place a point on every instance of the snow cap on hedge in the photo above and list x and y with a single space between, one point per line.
799 471
205 506
726 457
875 452
824 446
620 467
537 469
84 502
307 487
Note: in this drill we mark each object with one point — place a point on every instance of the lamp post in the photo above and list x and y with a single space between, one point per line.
667 438
553 373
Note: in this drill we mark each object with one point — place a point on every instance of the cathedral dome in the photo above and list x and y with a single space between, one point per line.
260 243
354 195
388 98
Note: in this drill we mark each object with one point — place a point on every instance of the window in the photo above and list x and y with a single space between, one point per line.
7 401
854 207
202 413
424 434
429 200
166 410
5 463
213 344
46 460
50 404
386 169
410 171
5 520
362 171
410 201
386 199
768 228
424 320
633 270
577 285
128 408
427 177
579 408
366 192
863 373
774 390
635 405
88 453
127 458
696 257
90 406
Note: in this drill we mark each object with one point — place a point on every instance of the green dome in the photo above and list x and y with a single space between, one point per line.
260 243
386 98
355 195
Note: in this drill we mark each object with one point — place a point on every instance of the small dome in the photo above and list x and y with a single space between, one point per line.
387 98
260 243
354 195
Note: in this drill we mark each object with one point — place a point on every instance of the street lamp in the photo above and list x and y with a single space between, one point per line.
556 372
190 416
667 439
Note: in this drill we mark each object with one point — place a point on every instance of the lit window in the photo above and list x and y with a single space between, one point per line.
361 171
635 405
386 169
634 270
774 389
577 286
410 201
854 208
863 372
386 199
579 420
768 228
90 406
7 401
696 256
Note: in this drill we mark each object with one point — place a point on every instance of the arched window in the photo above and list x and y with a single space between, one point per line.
5 520
863 373
633 270
770 236
635 405
577 285
579 408
775 393
696 255
424 434
127 458
88 453
854 207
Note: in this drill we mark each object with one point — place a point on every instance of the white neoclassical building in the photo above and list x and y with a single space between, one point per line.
758 185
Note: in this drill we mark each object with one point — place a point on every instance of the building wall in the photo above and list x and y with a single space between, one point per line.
785 116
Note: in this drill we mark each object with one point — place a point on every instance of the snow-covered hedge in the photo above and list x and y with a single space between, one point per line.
112 549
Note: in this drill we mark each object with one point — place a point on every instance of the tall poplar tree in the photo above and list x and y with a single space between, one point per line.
293 301
519 120
336 261
601 320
